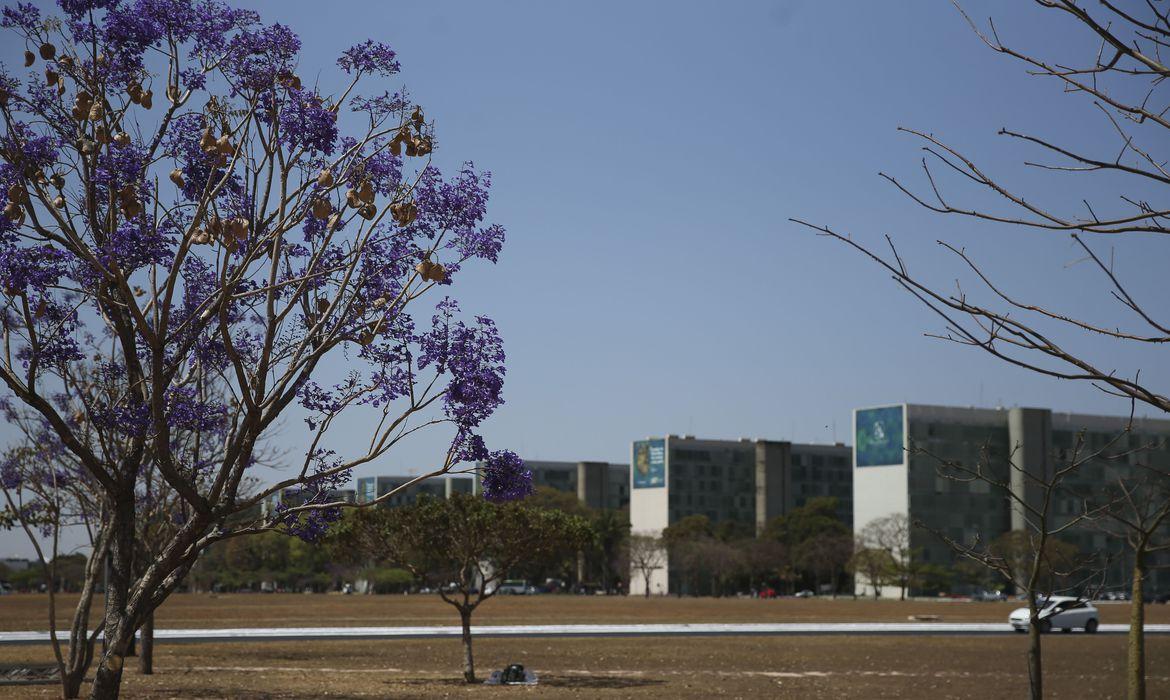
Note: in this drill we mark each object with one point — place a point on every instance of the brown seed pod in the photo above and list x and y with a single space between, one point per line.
416 117
84 98
16 192
59 202
127 193
58 180
396 146
139 291
172 94
177 178
200 237
207 140
422 145
51 76
334 218
146 99
86 146
322 305
368 211
96 111
424 268
352 199
29 58
61 88
12 211
438 273
224 145
48 51
79 112
239 228
134 90
131 208
101 134
365 192
79 416
411 149
121 139
66 62
42 308
3 96
322 208
325 179
102 60
380 302
365 338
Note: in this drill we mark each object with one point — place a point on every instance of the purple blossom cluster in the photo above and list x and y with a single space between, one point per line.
306 123
505 478
369 57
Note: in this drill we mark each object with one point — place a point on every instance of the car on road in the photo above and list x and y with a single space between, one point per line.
1059 612
805 594
516 587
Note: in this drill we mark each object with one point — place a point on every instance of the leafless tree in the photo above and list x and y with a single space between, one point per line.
1139 515
647 555
891 534
1034 560
1122 76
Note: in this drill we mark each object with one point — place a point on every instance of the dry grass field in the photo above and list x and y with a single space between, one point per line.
1077 665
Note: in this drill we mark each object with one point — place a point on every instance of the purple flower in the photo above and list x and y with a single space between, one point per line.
505 478
304 122
23 16
256 58
369 57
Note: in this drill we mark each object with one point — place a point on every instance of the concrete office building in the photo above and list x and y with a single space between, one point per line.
370 488
887 479
743 481
599 485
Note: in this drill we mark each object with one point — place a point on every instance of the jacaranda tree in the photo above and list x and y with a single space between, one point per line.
184 211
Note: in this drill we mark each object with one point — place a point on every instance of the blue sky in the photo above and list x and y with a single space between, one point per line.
646 158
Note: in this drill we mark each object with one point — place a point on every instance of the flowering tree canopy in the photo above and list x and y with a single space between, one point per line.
189 238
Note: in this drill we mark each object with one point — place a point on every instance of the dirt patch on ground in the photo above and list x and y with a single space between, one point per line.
30 611
784 667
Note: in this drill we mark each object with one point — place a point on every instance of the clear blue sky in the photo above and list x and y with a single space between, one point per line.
646 158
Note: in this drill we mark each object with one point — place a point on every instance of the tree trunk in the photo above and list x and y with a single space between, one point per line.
146 653
1136 663
1035 667
468 660
647 577
118 631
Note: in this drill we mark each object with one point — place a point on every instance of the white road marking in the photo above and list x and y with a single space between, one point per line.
255 634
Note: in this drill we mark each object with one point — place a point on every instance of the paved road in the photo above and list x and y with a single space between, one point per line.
670 630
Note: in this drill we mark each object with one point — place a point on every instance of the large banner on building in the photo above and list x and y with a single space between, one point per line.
879 436
649 464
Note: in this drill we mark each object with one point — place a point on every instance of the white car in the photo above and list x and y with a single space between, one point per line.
1059 612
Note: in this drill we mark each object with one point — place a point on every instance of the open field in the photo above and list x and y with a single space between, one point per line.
30 611
1077 666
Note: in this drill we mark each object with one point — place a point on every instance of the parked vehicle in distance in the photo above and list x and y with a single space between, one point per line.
989 596
768 592
515 587
805 594
1059 612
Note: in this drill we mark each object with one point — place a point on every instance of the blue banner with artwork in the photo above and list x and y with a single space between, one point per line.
878 437
649 464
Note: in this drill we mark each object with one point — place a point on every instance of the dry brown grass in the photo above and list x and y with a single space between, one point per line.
1077 665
